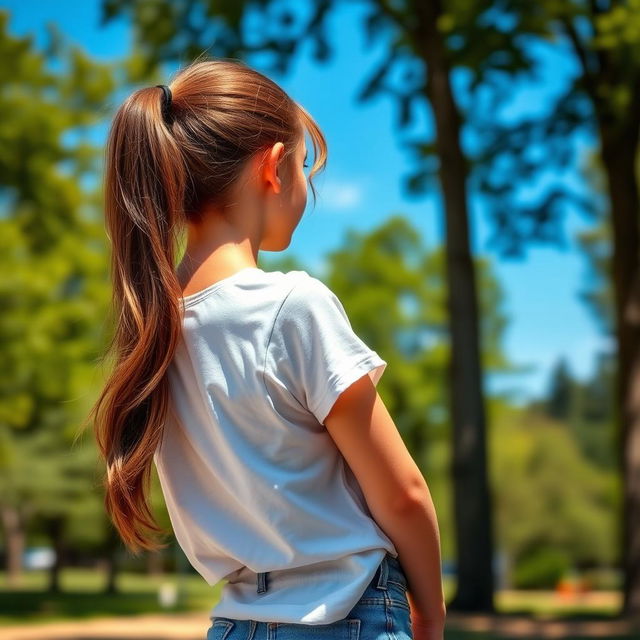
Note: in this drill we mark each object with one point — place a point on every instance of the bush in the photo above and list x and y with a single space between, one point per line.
541 569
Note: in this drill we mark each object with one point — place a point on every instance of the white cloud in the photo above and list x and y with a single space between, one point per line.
341 195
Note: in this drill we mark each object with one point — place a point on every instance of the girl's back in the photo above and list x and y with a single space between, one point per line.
251 476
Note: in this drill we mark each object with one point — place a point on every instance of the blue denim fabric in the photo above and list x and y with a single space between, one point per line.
382 613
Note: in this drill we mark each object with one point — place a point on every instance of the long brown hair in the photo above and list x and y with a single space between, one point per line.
160 173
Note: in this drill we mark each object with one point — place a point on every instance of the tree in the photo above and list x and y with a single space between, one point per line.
52 260
585 408
604 99
554 506
560 395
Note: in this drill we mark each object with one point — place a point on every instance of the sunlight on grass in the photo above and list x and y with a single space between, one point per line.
83 596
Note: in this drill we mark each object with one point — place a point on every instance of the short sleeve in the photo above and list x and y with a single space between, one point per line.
313 350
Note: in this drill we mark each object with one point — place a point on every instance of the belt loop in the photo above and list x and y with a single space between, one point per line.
262 581
383 572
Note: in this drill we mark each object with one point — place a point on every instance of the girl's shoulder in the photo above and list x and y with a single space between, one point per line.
306 293
309 308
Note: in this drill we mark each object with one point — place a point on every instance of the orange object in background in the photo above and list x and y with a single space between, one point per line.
572 585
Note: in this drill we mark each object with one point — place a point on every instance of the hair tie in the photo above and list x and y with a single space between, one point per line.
166 102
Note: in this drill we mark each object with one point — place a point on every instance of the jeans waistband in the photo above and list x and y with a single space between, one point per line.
389 565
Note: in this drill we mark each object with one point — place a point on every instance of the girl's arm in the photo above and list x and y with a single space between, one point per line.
396 493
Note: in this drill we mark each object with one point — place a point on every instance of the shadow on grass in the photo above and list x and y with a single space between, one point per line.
38 606
524 625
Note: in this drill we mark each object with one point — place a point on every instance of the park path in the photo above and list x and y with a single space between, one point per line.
192 626
175 626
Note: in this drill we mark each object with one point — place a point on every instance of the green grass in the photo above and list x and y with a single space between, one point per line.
83 597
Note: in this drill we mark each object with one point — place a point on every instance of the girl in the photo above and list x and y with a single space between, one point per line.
282 471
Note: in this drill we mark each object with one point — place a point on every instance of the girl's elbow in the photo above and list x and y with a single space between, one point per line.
414 495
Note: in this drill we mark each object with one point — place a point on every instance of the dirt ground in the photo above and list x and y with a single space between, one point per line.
159 627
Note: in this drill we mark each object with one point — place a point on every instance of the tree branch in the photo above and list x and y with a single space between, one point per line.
581 53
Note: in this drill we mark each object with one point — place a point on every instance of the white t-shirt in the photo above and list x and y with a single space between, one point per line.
251 477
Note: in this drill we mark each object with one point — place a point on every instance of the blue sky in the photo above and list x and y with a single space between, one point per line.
361 186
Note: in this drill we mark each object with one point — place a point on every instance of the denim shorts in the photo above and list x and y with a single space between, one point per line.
382 613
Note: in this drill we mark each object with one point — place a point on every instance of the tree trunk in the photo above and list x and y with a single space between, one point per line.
472 502
13 527
112 548
55 526
619 155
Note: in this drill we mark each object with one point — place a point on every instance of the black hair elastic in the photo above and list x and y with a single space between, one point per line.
166 103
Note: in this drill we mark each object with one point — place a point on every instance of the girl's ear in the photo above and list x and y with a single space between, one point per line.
273 167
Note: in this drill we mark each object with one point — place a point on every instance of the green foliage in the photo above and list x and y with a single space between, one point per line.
541 569
53 288
585 408
547 493
560 395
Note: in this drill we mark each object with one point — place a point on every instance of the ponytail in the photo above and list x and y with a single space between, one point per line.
144 191
169 153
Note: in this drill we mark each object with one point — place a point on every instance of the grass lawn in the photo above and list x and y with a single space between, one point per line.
82 597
